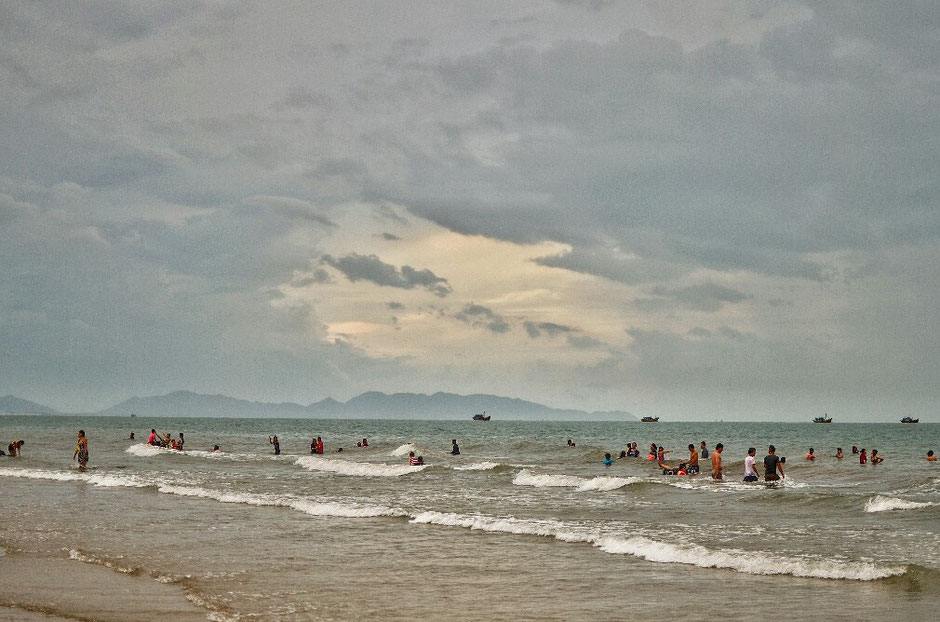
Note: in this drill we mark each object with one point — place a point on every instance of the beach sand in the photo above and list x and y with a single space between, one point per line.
35 588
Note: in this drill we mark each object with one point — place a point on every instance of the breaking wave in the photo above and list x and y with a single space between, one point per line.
361 469
879 503
757 563
581 484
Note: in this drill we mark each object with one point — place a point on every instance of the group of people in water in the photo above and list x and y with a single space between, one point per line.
164 440
773 464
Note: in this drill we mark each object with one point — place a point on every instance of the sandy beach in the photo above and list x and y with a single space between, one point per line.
45 589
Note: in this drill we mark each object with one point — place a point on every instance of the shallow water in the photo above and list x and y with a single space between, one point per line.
518 526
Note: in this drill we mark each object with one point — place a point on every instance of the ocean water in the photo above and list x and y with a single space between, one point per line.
518 527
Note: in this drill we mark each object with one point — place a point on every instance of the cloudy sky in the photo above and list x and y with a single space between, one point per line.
694 210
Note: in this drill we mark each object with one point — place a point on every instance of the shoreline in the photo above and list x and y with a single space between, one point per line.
39 588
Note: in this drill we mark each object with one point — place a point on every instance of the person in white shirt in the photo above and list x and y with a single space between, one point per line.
750 473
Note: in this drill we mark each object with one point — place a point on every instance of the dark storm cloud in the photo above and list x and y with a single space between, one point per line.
480 316
708 297
370 268
535 329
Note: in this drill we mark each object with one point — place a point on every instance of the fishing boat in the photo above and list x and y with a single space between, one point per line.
481 416
649 419
909 420
822 420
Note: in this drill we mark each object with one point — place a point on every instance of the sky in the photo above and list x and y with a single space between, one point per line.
692 210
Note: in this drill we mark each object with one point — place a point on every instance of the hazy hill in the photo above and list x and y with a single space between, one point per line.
371 405
14 405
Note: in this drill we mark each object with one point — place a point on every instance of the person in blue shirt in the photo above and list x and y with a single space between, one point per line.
607 460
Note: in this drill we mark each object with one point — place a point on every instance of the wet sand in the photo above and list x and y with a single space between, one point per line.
38 589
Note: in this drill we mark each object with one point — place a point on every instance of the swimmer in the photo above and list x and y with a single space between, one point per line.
930 456
570 443
810 455
839 453
607 461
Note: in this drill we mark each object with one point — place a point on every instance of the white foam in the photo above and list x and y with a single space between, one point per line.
93 559
478 466
343 510
879 503
527 478
61 476
404 450
361 469
596 484
548 528
605 484
758 563
146 451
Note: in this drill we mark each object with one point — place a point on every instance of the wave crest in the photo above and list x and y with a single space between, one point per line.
360 469
879 503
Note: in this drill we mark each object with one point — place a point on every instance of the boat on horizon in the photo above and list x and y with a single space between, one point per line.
822 420
481 416
909 420
649 419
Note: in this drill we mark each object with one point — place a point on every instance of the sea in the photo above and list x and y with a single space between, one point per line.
519 526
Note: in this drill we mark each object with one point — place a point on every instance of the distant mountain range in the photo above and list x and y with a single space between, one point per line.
371 405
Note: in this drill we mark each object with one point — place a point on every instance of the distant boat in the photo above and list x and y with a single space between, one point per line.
481 416
909 420
822 420
649 419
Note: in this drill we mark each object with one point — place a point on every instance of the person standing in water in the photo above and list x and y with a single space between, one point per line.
693 459
716 461
277 444
862 457
455 450
772 464
750 473
703 451
81 451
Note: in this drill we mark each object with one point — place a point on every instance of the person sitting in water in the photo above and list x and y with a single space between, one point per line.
633 452
875 458
810 455
570 443
413 460
607 460
668 469
216 448
623 454
839 453
930 456
365 443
